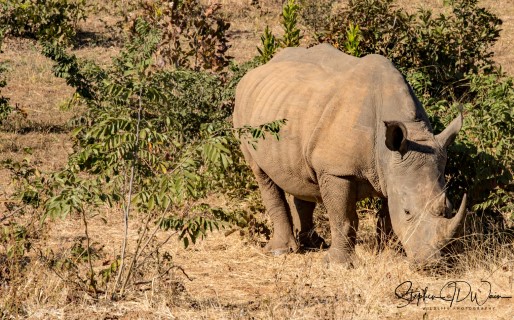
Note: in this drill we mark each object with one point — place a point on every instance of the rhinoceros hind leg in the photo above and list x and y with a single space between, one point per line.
274 199
303 224
339 196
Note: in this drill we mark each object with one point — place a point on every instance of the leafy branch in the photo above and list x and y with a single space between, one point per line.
252 135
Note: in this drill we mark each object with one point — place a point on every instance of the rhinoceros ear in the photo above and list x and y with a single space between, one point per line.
448 135
396 136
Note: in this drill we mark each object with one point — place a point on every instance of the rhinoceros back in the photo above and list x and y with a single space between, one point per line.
321 92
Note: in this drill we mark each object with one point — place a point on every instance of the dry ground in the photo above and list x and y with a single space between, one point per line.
230 276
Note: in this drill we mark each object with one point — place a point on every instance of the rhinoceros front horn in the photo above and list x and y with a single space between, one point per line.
457 221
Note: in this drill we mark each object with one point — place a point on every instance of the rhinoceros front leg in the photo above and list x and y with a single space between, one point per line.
339 196
303 223
274 199
384 227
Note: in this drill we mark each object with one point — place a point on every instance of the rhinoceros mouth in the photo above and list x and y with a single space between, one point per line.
431 254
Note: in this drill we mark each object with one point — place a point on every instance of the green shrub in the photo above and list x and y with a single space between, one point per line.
353 39
444 48
152 125
27 182
481 163
193 36
292 34
316 15
138 118
153 140
19 231
5 108
269 46
54 20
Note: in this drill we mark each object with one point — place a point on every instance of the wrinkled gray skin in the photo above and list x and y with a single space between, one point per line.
354 130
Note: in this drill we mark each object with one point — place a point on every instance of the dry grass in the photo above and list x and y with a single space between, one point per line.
231 277
234 279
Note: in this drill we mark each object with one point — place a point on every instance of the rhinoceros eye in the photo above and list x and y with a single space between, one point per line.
407 212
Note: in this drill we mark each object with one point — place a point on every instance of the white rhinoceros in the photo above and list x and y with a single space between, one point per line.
354 130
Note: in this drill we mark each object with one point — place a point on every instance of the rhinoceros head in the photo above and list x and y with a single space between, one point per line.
421 214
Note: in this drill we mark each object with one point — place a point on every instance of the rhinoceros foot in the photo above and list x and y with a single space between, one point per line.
341 258
280 245
311 240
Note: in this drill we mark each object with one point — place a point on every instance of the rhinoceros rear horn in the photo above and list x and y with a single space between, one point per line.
396 136
448 135
457 221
